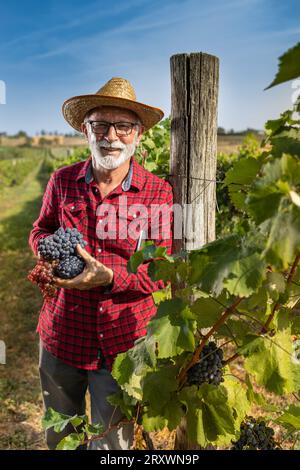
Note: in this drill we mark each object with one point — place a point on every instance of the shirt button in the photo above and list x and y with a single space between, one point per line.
99 250
72 208
101 335
100 309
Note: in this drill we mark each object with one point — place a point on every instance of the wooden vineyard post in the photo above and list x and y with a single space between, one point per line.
194 98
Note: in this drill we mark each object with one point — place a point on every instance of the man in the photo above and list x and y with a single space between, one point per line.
101 312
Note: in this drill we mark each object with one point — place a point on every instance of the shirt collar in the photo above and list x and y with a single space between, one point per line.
135 176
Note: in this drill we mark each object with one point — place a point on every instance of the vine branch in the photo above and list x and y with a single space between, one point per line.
196 356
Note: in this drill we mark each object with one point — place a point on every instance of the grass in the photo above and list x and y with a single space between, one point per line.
20 301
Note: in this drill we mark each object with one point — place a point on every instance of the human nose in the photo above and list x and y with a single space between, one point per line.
111 133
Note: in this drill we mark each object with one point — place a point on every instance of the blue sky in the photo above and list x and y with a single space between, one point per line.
52 50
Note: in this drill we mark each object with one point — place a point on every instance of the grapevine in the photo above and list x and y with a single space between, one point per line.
243 288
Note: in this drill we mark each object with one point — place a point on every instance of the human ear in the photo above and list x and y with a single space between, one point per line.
84 129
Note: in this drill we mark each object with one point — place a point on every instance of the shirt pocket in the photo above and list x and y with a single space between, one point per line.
74 215
132 229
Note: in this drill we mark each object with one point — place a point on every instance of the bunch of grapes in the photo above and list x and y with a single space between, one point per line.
69 267
42 275
60 245
209 369
255 435
59 258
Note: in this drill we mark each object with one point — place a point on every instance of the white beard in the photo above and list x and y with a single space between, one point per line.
109 162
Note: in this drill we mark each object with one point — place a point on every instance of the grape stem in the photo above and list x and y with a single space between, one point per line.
196 356
230 359
103 434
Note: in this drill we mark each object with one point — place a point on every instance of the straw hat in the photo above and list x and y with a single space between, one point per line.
116 92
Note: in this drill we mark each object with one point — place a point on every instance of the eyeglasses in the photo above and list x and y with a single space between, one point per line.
121 128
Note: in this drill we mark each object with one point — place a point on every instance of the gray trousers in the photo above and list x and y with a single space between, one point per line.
64 388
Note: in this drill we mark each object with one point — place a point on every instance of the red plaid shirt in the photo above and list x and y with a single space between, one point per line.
83 327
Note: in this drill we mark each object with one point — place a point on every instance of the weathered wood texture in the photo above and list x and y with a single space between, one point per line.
194 95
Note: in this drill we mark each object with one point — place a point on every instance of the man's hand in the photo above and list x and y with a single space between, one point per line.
95 274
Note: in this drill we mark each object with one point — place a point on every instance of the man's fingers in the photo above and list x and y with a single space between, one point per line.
71 283
62 282
83 253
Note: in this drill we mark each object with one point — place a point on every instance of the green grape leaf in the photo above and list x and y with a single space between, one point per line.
125 402
237 397
173 335
289 66
94 429
275 127
247 275
158 386
283 242
148 252
275 285
251 344
227 263
162 270
290 419
286 142
207 311
130 366
71 442
296 325
209 416
254 302
242 172
59 421
170 416
234 329
253 396
264 198
134 261
270 361
238 177
161 295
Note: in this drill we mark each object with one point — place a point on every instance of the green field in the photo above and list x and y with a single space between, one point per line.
20 301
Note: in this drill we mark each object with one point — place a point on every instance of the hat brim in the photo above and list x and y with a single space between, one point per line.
74 109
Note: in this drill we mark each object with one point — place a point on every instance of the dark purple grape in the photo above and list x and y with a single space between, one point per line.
61 244
255 435
209 369
69 267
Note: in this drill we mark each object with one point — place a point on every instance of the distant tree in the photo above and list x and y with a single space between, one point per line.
20 134
221 131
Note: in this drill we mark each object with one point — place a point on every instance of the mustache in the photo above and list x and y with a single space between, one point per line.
112 146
